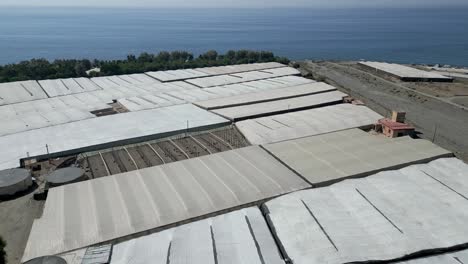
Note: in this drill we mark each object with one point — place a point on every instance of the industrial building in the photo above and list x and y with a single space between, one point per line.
404 73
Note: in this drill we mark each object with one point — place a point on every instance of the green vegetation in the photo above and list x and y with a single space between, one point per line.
2 251
41 69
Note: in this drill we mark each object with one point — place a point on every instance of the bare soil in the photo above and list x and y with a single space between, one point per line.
435 118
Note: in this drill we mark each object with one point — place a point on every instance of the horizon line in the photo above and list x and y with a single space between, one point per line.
435 5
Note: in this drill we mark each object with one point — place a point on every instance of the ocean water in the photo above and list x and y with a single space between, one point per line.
399 35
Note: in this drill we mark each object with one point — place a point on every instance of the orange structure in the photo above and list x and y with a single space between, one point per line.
396 127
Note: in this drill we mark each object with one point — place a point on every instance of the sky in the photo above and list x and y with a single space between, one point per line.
237 3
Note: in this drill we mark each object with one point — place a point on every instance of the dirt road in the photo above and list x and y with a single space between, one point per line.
16 218
444 123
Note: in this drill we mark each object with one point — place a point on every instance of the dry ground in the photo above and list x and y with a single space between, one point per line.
436 118
16 218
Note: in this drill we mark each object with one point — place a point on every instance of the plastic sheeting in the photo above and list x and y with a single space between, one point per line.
185 74
77 136
279 106
382 217
240 237
459 257
266 96
306 123
90 212
17 92
327 158
219 80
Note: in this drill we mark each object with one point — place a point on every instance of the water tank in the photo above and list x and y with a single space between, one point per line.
46 260
14 180
65 176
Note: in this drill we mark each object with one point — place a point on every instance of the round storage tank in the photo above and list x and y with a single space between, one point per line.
14 180
65 176
46 260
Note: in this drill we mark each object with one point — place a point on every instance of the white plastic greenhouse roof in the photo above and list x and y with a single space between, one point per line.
25 122
382 217
285 105
74 107
327 158
306 123
266 96
90 212
458 257
242 77
403 71
179 96
185 74
61 87
240 237
16 92
103 130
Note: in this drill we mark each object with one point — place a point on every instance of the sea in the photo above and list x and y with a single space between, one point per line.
412 35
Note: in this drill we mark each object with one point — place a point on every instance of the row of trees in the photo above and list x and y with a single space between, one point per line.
40 69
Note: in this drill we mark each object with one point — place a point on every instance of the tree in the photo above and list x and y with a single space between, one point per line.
131 58
2 251
209 55
145 57
40 69
164 56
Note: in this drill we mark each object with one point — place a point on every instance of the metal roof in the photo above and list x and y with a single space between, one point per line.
327 158
240 237
76 136
306 123
81 214
275 107
382 217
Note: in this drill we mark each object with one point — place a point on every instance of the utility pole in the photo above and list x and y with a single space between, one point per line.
48 154
435 133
